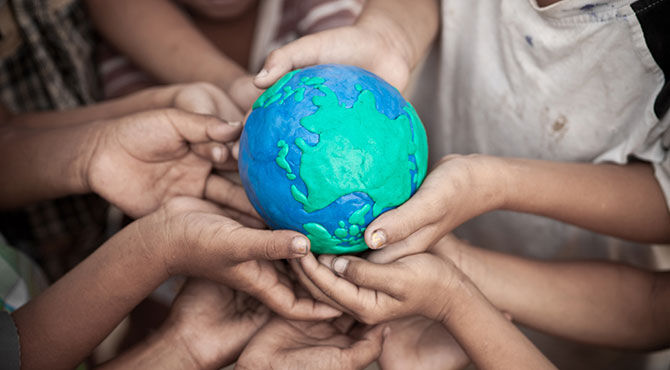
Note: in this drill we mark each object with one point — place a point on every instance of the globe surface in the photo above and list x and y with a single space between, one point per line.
327 149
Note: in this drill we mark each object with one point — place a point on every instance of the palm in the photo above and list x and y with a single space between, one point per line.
418 342
143 161
215 321
302 345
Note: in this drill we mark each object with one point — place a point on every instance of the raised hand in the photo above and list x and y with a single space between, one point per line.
285 344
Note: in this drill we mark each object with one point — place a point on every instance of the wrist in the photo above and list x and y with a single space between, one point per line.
490 179
83 164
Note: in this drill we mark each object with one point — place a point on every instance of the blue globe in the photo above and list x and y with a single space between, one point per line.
327 149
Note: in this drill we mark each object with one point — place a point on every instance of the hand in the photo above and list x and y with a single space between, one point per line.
142 160
419 284
196 238
418 342
214 322
357 45
456 190
243 92
204 98
287 344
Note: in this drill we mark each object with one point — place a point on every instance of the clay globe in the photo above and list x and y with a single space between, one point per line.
327 149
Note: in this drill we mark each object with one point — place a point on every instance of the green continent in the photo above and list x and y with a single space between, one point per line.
421 142
281 159
359 150
274 93
323 242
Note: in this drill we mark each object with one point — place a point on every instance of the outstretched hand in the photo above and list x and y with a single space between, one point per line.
286 344
197 238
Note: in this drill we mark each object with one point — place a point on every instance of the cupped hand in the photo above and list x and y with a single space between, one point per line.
285 344
354 45
418 342
418 284
197 238
142 160
457 189
214 322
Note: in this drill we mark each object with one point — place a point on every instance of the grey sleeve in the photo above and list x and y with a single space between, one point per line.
10 355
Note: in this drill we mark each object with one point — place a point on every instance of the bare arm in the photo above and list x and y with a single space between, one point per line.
607 304
162 40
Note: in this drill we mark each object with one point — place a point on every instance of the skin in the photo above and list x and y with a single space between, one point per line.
600 303
186 236
136 161
208 326
428 285
160 38
285 344
401 31
598 197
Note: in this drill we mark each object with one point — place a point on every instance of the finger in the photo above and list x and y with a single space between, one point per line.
207 99
342 291
225 192
197 128
313 290
421 210
243 218
281 299
299 53
418 242
366 274
368 349
344 323
254 244
211 151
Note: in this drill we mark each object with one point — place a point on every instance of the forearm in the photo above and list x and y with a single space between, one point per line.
624 201
410 26
63 324
600 303
490 340
161 39
148 99
40 164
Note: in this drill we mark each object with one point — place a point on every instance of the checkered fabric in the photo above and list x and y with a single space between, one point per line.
46 64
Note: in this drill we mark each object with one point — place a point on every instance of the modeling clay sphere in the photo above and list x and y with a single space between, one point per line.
327 149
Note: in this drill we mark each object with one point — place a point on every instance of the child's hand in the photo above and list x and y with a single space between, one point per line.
414 285
456 190
355 45
421 343
243 92
204 98
214 322
139 161
284 344
195 238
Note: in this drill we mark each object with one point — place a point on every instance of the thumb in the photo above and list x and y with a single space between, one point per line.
419 211
197 128
253 244
368 349
297 54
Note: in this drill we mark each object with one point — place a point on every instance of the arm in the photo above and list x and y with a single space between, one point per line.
161 39
624 201
607 304
185 237
399 31
427 285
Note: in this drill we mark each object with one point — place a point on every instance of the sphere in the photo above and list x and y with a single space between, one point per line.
326 150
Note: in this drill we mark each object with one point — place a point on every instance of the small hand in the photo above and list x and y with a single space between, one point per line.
197 238
418 342
142 160
204 98
243 92
414 285
287 344
214 322
355 45
456 190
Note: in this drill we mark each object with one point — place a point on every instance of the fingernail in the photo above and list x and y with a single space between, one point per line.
217 153
299 246
386 332
236 150
234 123
340 265
378 239
262 73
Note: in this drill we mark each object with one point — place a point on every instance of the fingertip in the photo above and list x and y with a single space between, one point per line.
386 332
377 239
339 265
299 246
